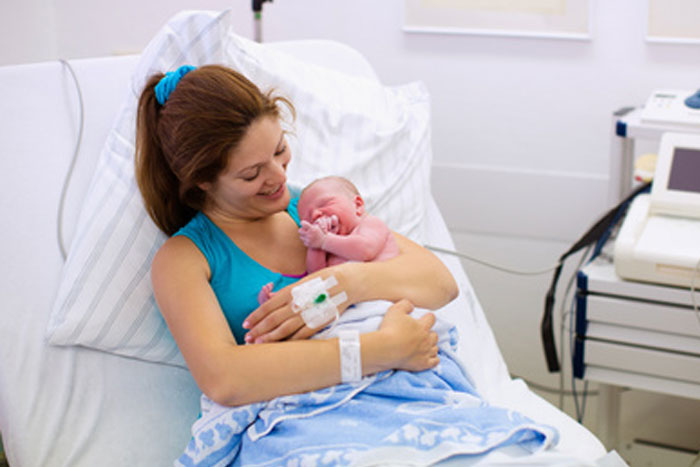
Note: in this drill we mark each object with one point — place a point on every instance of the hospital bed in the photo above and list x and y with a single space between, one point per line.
89 377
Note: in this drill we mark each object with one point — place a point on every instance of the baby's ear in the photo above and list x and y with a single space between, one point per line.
359 205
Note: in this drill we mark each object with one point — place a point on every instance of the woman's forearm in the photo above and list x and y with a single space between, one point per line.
416 275
254 373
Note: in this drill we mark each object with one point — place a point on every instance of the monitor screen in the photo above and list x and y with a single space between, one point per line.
685 170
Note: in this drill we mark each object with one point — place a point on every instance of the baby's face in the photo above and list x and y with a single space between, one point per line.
325 199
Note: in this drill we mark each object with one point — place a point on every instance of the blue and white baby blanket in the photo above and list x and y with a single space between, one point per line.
395 417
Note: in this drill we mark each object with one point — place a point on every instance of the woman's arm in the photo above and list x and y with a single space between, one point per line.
416 275
232 374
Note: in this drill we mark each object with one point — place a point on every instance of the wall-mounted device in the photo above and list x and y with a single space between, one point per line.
257 6
672 106
660 238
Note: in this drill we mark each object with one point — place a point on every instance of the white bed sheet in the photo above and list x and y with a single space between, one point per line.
79 407
67 406
577 444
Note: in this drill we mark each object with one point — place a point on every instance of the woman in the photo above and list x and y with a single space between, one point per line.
211 162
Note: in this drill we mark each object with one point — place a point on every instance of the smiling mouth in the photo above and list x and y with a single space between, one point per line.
273 191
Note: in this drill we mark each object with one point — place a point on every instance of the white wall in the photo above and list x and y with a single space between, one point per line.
521 132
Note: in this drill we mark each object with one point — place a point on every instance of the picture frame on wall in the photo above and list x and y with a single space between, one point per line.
673 21
557 19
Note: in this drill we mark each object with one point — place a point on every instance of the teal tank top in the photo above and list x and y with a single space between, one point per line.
236 278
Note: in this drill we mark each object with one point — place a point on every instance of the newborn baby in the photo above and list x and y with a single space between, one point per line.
335 227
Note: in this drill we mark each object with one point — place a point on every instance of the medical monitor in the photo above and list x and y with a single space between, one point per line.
676 189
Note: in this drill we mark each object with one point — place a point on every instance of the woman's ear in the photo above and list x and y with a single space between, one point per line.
204 186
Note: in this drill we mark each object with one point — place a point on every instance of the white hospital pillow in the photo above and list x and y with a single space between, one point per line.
377 136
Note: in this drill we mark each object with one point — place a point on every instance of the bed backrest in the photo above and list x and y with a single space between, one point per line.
40 131
330 54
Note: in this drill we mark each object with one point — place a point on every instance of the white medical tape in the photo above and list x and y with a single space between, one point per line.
305 295
322 313
314 303
350 356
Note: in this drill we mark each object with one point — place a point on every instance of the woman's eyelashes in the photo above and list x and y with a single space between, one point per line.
253 176
250 178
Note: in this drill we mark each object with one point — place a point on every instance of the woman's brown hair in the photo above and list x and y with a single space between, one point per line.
187 141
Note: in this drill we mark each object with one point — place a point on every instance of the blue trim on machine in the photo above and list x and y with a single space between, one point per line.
581 298
581 318
621 129
579 367
582 281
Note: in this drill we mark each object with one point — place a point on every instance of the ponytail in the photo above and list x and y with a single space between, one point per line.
157 182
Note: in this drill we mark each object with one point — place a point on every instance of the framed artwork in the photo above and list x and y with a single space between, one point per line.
674 21
559 19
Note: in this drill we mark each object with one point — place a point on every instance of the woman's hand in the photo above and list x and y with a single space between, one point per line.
274 320
414 344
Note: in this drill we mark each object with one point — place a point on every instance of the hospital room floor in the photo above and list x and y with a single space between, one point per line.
638 446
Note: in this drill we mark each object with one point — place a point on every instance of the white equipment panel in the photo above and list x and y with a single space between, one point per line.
659 240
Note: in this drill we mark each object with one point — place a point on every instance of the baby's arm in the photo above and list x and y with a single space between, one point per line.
315 259
364 243
312 236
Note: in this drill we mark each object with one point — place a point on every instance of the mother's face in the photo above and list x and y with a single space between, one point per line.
254 184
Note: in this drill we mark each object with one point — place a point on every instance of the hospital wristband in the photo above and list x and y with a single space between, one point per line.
350 356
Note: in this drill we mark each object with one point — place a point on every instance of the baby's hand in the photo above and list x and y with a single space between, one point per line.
327 223
311 235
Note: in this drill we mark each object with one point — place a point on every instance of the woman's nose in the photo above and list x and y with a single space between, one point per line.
279 167
277 172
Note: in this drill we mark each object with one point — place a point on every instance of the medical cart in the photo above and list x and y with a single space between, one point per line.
632 334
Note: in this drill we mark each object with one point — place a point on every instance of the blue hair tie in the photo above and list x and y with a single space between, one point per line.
167 83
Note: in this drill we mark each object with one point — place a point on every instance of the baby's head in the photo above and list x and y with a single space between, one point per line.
332 196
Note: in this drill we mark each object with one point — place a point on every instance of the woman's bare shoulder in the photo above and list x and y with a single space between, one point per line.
178 254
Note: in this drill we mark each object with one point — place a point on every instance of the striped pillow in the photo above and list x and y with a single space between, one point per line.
375 135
